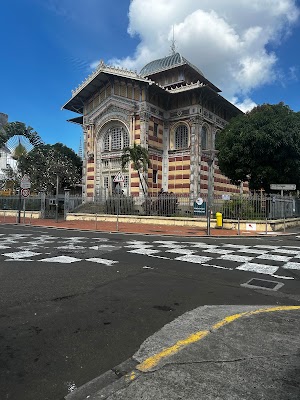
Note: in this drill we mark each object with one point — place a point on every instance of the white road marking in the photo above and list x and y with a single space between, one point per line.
235 257
205 246
102 261
144 246
70 247
287 251
283 277
273 257
193 258
216 266
61 259
144 251
164 258
291 265
218 251
104 247
258 268
180 251
21 254
253 251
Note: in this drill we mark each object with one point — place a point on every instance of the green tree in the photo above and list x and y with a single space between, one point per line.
44 163
261 147
139 158
19 128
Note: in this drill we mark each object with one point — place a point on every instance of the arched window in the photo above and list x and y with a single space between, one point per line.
204 138
116 138
181 137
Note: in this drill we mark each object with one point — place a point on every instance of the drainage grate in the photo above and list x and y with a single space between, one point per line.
255 283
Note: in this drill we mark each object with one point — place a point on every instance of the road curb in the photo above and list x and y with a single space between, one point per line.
205 319
107 383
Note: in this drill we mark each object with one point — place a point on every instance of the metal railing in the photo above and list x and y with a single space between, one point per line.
252 207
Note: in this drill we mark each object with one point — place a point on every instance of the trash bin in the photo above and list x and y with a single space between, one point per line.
219 218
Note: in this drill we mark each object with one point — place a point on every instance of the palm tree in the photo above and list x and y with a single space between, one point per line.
139 158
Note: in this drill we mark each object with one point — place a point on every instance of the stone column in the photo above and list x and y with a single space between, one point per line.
195 158
84 163
165 160
144 131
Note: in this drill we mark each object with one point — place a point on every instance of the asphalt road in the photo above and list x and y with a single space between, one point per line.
75 304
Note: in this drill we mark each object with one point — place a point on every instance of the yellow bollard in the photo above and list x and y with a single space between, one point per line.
219 218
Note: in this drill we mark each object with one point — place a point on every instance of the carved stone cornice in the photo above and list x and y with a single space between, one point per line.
195 120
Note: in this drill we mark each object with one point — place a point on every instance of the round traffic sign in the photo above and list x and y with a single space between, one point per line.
25 192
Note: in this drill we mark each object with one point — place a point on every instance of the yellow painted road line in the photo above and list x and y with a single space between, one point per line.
153 361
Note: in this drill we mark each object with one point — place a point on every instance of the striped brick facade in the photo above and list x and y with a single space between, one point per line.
121 107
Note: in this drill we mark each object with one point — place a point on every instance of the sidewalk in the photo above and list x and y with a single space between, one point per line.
131 228
211 353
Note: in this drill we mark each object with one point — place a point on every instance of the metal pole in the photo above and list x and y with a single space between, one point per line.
209 194
118 205
19 207
56 202
24 210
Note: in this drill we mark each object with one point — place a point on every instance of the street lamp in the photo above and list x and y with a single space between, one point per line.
209 157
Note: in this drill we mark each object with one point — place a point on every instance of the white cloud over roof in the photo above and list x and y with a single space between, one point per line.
229 40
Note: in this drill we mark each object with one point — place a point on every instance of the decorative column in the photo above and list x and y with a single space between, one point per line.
144 125
84 163
194 158
165 160
144 131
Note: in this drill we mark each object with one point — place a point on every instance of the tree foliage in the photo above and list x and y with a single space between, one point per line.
43 163
139 158
19 128
261 147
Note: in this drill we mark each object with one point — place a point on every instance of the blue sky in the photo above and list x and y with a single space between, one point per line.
249 49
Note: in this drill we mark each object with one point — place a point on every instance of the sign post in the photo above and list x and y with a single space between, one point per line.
24 192
118 179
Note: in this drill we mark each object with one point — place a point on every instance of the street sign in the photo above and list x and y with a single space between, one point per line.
284 186
25 182
119 177
200 209
25 192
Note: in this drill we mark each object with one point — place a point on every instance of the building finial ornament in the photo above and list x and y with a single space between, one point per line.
173 46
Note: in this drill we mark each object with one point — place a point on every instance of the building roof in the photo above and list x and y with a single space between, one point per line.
169 62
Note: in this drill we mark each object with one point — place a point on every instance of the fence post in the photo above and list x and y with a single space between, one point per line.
66 203
43 203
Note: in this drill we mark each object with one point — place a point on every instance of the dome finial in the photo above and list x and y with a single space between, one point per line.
173 46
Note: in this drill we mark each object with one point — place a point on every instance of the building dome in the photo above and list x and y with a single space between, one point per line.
169 62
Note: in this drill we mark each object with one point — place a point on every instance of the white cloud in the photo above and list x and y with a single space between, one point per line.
246 105
228 40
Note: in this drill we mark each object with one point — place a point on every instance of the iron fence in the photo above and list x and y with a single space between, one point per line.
14 202
253 207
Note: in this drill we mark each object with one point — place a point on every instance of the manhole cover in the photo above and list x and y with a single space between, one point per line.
255 283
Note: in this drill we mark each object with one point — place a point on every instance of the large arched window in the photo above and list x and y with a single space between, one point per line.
115 138
181 137
204 138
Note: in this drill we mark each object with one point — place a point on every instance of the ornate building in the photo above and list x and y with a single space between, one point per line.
170 108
